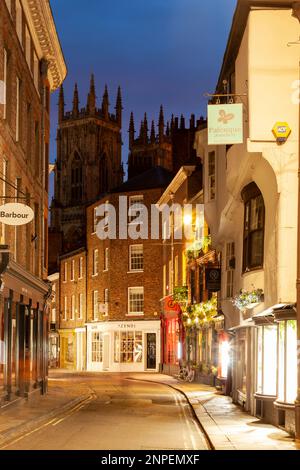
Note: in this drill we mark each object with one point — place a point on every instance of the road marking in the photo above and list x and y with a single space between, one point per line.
72 411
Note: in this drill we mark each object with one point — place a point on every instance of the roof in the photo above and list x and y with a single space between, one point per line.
156 177
238 28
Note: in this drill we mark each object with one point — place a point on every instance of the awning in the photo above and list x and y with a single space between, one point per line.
278 312
245 324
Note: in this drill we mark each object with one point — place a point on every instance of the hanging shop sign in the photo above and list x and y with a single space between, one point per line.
16 214
213 279
281 132
225 124
170 306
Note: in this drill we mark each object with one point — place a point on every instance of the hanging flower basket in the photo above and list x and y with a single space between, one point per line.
199 315
247 299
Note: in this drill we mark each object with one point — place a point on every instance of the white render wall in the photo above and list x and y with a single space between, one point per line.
266 69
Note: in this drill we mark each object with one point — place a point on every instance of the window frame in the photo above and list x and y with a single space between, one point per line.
73 307
80 268
139 198
211 178
80 306
131 269
249 194
95 298
106 260
72 270
95 262
136 290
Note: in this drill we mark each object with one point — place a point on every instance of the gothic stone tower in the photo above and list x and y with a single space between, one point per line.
171 147
88 162
146 152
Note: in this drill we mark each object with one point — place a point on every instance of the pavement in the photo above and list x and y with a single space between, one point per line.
91 405
227 426
23 415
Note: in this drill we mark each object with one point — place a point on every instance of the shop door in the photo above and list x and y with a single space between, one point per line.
151 350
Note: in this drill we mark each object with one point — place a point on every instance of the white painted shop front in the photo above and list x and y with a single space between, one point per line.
116 346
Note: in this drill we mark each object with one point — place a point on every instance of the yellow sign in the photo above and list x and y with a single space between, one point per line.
281 131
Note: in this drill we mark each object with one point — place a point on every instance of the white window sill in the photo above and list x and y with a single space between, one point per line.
95 275
135 314
133 271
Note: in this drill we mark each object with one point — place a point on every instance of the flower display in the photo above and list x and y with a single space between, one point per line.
200 314
246 298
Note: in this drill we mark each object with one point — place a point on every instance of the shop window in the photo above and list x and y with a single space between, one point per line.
267 360
287 364
97 346
136 255
254 225
128 347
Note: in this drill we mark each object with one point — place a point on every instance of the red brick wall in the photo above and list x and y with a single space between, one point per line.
118 279
23 160
69 288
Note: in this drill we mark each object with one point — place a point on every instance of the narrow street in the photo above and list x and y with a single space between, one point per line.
121 414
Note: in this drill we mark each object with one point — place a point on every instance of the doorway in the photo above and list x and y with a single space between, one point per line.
151 351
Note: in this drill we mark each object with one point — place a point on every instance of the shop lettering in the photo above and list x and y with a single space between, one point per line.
13 215
126 326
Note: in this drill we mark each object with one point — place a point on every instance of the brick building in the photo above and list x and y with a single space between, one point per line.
124 285
88 164
31 66
72 313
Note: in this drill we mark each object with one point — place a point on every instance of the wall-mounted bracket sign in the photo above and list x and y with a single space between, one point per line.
16 214
225 124
281 132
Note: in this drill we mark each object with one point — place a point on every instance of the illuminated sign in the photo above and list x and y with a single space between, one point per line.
281 131
16 214
225 124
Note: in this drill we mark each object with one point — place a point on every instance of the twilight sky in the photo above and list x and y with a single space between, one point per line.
159 51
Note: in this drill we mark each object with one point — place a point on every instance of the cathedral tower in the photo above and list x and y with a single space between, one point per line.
88 163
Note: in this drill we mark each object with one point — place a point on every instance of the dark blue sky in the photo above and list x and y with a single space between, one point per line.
159 51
